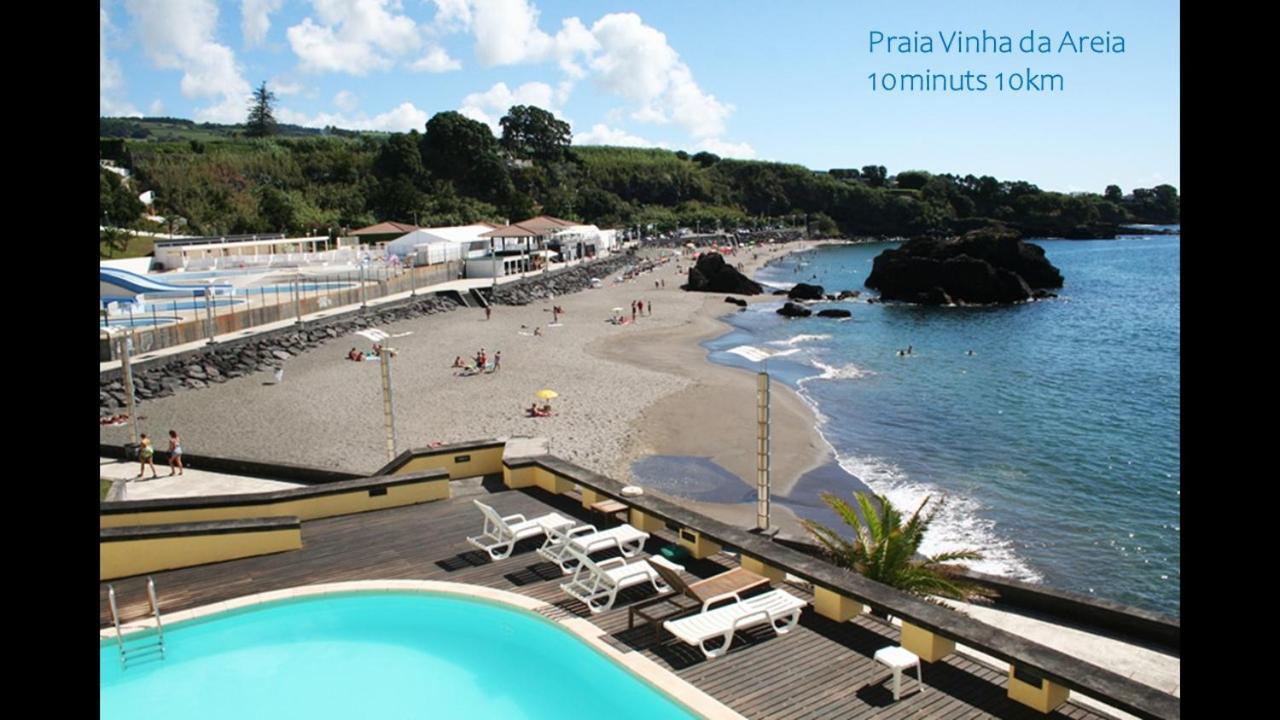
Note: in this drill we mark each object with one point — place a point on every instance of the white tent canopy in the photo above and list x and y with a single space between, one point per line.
440 244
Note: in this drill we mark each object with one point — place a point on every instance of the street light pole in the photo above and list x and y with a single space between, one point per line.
126 371
387 409
762 451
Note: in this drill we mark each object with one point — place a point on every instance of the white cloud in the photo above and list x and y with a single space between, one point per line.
352 36
156 108
507 33
601 134
436 61
452 15
489 106
345 101
179 35
109 77
255 19
637 63
727 149
402 118
284 87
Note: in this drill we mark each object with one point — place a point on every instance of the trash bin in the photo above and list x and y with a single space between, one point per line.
675 553
132 451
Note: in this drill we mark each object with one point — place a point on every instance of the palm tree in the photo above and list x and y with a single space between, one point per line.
886 550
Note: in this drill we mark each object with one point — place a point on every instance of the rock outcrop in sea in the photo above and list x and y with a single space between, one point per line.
981 267
713 274
793 310
805 291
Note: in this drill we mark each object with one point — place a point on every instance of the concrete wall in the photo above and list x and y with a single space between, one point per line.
304 503
177 546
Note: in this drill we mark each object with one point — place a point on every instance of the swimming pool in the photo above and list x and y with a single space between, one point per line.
376 654
147 320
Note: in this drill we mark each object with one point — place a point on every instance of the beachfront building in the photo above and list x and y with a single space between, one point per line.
516 248
243 251
429 246
383 232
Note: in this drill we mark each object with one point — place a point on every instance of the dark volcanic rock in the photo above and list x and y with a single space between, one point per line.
834 313
794 310
779 292
805 291
736 301
846 294
713 274
982 267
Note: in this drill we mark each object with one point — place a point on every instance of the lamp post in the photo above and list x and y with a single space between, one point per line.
126 372
762 451
388 411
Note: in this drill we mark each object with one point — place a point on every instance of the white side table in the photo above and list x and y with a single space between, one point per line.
899 659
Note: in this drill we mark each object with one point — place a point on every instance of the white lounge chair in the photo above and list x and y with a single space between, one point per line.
586 540
768 608
597 584
501 534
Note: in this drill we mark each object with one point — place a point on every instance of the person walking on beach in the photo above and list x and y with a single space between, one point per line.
497 361
175 452
650 308
488 311
633 311
146 455
640 306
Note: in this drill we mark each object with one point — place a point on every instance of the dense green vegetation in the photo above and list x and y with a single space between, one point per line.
456 171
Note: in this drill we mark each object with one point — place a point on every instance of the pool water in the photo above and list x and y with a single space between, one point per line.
376 655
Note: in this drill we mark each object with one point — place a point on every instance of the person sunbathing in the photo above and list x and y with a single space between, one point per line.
457 362
355 355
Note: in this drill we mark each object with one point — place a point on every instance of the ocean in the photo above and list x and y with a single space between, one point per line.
1055 444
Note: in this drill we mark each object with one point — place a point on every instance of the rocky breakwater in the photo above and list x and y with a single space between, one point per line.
561 282
981 267
713 274
198 369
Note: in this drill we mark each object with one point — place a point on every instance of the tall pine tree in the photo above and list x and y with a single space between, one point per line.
261 122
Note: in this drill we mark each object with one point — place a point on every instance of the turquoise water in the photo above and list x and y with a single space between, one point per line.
1056 444
376 655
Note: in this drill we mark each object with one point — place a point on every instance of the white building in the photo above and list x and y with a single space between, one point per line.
440 244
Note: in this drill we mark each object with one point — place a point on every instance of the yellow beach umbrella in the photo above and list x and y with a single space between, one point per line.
547 394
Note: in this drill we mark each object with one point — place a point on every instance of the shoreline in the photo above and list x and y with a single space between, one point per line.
625 391
715 415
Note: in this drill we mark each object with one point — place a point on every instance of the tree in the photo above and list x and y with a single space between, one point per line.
531 132
706 159
885 550
400 157
1113 194
116 202
912 179
874 175
261 122
464 151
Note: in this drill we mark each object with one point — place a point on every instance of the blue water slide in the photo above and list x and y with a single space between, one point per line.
117 284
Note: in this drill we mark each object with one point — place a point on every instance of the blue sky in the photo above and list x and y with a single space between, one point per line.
745 78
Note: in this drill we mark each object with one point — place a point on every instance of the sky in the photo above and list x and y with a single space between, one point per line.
740 78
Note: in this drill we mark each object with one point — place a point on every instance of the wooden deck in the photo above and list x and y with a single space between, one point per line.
822 669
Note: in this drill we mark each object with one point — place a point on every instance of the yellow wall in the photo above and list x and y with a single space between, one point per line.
484 461
519 477
929 646
124 558
833 605
1045 698
305 508
551 482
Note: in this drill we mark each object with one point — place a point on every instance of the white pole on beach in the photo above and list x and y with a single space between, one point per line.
126 372
387 410
762 451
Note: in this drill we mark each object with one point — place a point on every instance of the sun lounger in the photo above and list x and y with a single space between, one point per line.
586 540
501 534
769 608
597 584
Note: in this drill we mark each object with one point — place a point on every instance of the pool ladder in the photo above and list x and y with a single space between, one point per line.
148 649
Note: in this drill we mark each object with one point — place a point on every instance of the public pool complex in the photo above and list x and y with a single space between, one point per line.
493 579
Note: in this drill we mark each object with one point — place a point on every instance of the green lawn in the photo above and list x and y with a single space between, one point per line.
139 246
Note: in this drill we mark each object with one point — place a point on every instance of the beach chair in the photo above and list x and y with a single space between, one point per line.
501 534
561 542
770 609
724 586
597 584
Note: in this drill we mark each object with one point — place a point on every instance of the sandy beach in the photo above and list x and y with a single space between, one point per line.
626 391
